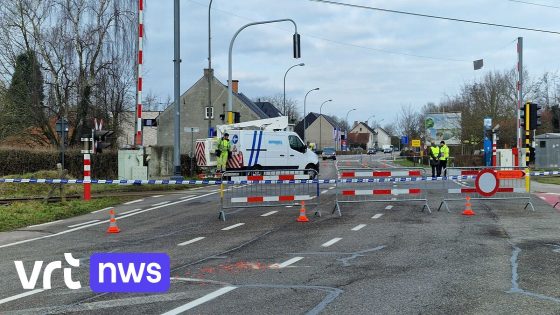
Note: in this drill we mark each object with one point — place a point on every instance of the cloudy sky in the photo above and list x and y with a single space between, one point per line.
373 61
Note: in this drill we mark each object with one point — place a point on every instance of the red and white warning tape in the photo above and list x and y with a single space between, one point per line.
395 192
258 199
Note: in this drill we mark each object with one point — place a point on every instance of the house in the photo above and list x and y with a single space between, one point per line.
127 126
194 103
269 109
321 130
362 135
383 137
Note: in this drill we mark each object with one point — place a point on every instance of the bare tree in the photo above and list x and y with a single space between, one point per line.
292 108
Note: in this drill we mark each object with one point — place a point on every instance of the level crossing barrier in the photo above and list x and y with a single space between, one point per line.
388 185
268 188
487 183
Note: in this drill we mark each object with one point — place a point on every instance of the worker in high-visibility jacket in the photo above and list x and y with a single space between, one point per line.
223 151
444 156
434 154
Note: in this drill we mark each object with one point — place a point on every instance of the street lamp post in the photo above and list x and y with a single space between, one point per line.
230 90
210 73
305 112
346 120
290 68
367 120
321 124
176 92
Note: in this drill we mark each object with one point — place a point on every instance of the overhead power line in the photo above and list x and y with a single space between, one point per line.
536 4
436 17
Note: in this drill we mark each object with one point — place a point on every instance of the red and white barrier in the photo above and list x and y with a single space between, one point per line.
394 192
353 174
87 177
258 199
270 177
139 70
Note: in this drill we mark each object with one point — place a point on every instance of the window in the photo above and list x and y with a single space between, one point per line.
296 144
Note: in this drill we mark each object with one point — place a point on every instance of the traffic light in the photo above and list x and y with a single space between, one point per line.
534 116
523 118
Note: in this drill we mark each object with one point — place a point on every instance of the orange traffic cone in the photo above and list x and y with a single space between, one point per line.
302 216
113 228
468 209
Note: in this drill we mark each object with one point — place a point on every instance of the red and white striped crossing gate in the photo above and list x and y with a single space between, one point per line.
387 185
268 188
487 183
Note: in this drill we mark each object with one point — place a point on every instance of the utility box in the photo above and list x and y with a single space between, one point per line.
504 157
547 147
131 165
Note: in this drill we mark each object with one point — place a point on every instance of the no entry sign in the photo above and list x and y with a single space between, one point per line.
487 183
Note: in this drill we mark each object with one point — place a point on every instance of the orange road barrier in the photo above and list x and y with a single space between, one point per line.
302 215
113 228
468 209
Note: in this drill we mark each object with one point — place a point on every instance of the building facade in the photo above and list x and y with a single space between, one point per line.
321 131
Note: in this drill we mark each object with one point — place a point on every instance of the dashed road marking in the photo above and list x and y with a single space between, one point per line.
104 209
233 226
157 196
331 242
286 263
21 295
160 203
191 241
388 207
332 188
83 223
42 224
133 201
202 300
377 216
359 227
129 211
325 191
185 197
268 213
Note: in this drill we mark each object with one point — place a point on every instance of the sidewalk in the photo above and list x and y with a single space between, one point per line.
544 188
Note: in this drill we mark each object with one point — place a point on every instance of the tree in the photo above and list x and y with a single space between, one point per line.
410 122
292 108
24 98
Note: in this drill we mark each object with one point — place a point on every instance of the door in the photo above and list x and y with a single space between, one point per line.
276 153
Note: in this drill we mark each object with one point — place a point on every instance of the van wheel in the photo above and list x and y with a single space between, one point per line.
312 175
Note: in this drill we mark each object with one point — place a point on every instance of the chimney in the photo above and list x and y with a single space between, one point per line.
235 86
208 73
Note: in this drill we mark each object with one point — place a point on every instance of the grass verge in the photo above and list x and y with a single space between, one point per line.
22 214
406 163
547 179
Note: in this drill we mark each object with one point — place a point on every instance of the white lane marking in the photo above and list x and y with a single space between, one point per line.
101 222
157 196
268 213
83 223
286 263
191 241
543 198
185 197
331 242
332 187
133 201
232 226
202 300
21 295
160 203
130 211
42 224
289 206
324 191
104 209
388 207
359 227
377 216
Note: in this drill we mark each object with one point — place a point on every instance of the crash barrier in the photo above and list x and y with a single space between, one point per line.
489 183
381 185
242 189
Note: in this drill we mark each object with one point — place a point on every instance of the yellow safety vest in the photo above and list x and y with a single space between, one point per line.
435 152
444 153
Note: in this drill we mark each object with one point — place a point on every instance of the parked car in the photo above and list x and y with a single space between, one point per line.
328 153
371 151
388 150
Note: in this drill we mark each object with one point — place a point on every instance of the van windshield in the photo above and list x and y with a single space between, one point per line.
328 150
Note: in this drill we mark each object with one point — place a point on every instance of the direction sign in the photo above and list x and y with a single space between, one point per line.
404 139
510 174
416 143
192 129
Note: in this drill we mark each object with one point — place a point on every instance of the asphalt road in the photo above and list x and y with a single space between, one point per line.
381 257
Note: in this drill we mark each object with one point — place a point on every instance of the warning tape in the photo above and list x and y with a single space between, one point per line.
244 182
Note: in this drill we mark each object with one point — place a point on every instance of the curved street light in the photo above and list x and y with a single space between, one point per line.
290 68
305 112
321 124
346 133
230 90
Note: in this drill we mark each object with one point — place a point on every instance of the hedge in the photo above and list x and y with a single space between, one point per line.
104 165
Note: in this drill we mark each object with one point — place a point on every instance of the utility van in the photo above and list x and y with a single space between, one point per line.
259 144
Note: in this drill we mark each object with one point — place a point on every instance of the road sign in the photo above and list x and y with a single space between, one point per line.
416 143
510 174
404 139
192 129
487 183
